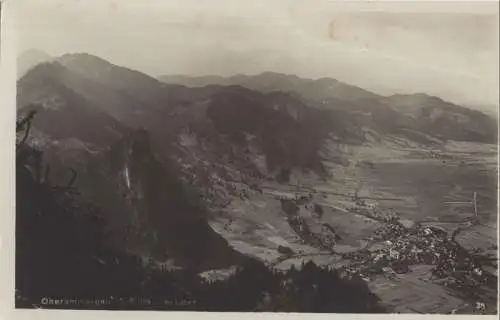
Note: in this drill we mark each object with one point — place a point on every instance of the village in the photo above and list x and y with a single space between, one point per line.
398 246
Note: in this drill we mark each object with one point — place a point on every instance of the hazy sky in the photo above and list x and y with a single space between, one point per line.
450 51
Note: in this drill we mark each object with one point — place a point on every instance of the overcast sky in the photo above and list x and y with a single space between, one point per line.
450 51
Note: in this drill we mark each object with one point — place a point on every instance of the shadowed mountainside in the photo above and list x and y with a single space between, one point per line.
397 114
150 209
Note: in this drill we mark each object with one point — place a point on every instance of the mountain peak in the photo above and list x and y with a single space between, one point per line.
419 99
278 75
30 59
83 59
43 70
107 73
420 95
34 52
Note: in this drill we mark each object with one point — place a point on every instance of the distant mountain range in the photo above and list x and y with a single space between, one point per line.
317 90
427 115
144 148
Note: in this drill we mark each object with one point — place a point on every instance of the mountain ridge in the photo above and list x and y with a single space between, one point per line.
335 95
272 81
241 79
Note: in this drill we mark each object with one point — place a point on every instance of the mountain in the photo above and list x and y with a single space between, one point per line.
137 100
128 96
195 81
403 115
443 119
29 59
141 89
59 97
90 126
283 129
125 135
319 89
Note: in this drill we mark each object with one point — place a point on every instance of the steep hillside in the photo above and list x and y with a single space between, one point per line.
58 89
288 134
150 210
137 87
130 97
63 112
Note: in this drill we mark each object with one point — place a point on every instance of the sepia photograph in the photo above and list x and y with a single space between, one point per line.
256 156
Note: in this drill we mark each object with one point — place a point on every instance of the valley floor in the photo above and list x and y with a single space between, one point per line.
427 190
